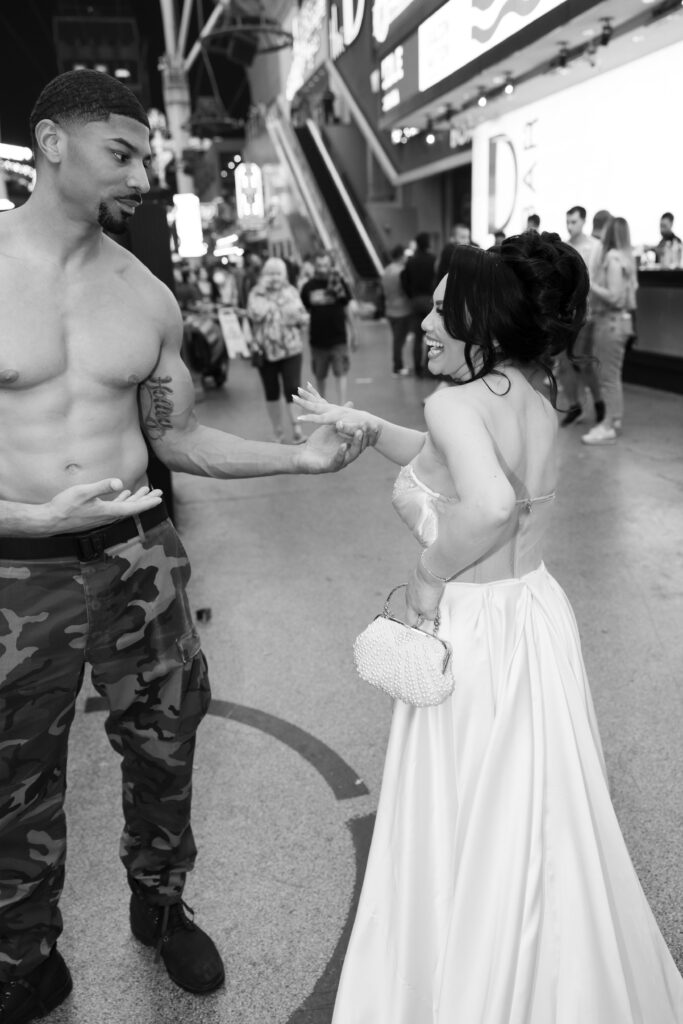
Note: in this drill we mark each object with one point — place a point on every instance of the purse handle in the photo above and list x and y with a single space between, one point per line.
385 613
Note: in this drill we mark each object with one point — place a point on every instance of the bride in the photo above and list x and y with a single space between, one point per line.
498 889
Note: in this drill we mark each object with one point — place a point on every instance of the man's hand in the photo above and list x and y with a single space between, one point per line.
83 507
324 452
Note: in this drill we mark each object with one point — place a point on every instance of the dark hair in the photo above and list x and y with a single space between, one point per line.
534 219
397 251
581 210
85 96
670 216
422 241
600 219
524 299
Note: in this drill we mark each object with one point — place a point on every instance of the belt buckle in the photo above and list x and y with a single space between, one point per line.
91 546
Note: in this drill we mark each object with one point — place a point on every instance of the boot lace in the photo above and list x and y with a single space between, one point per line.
173 919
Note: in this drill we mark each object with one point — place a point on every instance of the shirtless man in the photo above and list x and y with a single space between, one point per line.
91 569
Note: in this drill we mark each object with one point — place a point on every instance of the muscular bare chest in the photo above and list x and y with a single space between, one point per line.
91 327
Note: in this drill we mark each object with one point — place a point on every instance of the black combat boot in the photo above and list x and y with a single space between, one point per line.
190 956
34 995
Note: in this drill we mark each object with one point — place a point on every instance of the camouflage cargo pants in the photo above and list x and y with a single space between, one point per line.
126 614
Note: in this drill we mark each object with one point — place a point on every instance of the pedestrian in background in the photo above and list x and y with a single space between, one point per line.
277 314
460 235
613 300
326 296
417 279
577 370
397 308
669 249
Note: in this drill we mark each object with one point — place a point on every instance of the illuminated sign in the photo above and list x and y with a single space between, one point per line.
525 161
345 24
188 222
460 32
249 194
398 75
384 12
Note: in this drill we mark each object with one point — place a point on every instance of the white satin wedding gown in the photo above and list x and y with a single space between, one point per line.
499 889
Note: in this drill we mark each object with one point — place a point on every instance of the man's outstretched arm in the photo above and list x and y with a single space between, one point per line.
167 415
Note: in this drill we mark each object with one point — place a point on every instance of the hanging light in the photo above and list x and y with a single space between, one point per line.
482 101
509 86
430 137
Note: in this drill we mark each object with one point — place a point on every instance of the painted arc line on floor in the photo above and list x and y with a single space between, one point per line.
318 1006
339 776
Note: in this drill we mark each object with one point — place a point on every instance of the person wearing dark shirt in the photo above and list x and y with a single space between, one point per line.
669 249
418 284
460 235
326 296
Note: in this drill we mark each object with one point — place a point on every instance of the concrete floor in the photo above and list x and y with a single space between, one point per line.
289 761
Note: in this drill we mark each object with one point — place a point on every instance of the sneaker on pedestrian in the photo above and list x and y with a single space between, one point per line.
37 993
404 372
600 434
616 423
189 954
573 415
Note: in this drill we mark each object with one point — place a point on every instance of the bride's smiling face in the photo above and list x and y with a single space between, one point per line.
445 354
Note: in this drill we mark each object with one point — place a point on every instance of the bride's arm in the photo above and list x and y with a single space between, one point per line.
396 443
486 502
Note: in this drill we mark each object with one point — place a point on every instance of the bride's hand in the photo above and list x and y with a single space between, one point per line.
346 420
422 601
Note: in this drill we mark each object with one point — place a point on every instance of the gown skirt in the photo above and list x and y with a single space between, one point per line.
499 889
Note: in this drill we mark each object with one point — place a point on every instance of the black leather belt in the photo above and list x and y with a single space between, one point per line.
86 547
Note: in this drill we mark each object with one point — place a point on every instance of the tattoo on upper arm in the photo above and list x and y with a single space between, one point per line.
157 406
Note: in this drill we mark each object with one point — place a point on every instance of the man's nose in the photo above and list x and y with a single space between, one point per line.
138 180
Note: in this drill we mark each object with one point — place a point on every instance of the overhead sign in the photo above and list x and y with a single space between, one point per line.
384 12
460 32
346 19
398 73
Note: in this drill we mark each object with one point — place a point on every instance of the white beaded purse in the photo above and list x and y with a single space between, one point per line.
406 662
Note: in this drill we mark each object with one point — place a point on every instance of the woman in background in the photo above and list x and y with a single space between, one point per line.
276 314
613 301
498 889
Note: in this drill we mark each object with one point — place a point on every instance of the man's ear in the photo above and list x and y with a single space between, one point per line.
49 140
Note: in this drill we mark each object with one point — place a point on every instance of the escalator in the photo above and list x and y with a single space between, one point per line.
351 223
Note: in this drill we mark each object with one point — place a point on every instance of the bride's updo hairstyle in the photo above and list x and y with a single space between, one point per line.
524 300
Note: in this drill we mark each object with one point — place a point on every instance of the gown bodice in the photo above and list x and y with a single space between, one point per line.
519 551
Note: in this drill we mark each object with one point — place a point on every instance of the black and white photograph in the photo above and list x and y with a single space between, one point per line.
295 731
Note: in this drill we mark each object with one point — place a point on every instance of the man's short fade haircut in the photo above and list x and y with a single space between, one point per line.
581 210
84 96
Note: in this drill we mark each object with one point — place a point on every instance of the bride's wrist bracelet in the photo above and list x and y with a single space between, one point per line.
441 579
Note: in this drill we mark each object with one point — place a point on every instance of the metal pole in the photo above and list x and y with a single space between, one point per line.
176 95
221 7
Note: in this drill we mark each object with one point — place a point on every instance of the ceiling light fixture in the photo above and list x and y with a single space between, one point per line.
509 85
482 101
